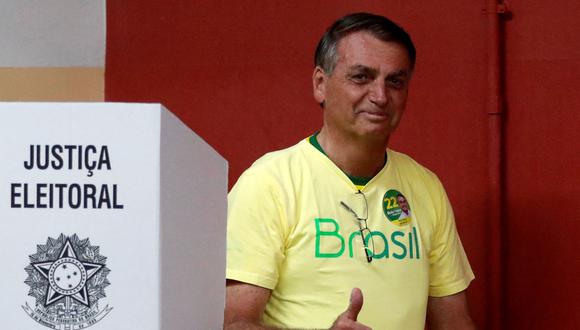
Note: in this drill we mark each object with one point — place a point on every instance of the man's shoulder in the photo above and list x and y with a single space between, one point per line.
406 164
278 165
405 161
280 158
274 169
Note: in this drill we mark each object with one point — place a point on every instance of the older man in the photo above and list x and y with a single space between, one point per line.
315 227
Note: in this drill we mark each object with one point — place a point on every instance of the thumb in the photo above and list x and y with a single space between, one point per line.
355 305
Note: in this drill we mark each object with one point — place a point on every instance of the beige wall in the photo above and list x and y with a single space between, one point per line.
52 84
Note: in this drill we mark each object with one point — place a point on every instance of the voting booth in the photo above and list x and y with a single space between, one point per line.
112 216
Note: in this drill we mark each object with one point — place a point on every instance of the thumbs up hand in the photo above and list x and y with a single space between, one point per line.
347 320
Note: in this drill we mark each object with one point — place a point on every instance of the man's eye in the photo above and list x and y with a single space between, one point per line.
359 77
396 83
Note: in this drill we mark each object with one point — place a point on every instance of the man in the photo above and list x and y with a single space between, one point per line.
314 228
402 201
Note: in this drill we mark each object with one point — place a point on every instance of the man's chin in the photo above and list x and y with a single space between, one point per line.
377 133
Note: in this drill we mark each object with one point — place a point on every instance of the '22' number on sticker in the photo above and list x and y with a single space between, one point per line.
391 203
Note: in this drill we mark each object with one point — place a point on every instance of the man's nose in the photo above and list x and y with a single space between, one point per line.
378 94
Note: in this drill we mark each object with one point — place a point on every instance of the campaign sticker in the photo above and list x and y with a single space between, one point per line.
396 208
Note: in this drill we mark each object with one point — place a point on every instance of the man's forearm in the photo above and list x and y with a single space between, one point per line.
449 313
245 325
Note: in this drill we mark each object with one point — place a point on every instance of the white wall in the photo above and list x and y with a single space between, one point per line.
49 33
52 50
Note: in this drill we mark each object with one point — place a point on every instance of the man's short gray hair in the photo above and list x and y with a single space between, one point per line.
326 54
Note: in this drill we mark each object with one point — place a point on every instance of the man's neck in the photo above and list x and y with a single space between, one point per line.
356 157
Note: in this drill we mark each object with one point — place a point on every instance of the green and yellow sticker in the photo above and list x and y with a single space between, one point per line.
396 208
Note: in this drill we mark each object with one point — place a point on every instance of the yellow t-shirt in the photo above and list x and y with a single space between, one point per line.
289 231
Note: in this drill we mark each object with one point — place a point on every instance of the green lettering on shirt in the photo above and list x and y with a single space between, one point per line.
394 236
329 235
385 253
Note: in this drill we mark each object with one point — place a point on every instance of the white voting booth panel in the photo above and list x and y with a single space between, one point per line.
112 216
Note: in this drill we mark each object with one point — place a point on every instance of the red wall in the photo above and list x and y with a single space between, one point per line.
542 165
238 73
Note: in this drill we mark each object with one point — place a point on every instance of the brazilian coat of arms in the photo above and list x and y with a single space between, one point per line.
67 277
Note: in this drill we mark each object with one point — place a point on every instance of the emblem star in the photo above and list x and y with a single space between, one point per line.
67 276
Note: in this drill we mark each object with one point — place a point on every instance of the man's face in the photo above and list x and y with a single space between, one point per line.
365 95
403 204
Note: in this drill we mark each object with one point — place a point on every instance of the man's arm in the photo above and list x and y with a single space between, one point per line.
245 304
449 313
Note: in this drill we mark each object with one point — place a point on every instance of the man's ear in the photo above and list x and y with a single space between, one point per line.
319 84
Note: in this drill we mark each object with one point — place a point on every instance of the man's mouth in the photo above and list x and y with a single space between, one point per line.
376 115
